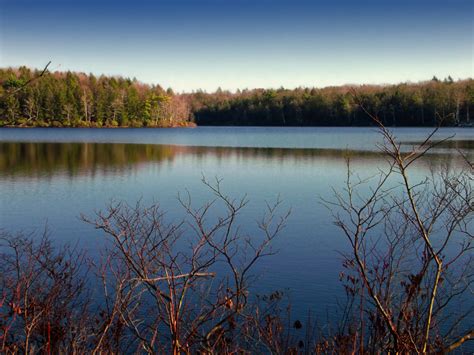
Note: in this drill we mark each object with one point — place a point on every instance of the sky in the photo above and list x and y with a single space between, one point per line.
193 44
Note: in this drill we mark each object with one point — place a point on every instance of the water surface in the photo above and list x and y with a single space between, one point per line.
51 176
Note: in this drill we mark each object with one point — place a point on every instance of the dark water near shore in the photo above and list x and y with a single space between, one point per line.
50 176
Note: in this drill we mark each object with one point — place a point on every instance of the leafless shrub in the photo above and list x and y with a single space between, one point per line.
180 287
43 304
410 260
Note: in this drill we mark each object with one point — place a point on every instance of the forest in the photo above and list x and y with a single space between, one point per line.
66 99
69 99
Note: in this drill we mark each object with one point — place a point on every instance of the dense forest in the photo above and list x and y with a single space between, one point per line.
67 99
421 104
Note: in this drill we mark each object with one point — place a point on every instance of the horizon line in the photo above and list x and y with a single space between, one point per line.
235 90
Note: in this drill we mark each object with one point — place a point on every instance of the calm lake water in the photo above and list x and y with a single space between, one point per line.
51 176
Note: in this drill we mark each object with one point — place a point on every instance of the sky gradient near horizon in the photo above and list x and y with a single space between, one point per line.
192 44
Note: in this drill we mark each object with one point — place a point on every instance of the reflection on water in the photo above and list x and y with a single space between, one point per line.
72 159
355 138
55 181
445 145
32 159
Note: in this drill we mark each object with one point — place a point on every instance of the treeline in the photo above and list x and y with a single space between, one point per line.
67 99
421 104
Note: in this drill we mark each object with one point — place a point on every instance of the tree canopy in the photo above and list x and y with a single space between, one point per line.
420 104
68 99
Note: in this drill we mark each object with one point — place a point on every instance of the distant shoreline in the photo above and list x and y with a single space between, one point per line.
193 125
189 125
68 99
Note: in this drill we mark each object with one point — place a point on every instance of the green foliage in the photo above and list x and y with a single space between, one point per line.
422 104
79 100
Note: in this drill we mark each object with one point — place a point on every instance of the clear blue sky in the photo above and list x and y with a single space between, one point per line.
191 44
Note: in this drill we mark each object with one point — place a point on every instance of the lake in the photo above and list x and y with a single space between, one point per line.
48 177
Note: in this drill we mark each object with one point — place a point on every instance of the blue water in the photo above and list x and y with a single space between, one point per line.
48 177
360 138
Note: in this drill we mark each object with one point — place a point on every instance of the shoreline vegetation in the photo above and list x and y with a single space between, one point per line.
177 125
69 99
